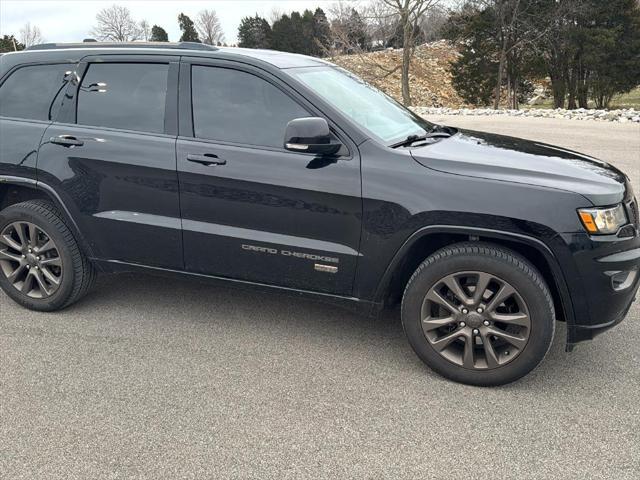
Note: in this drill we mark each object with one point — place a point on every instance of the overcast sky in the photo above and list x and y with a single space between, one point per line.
69 21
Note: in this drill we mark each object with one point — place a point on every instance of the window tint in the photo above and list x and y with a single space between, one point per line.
129 96
29 92
234 106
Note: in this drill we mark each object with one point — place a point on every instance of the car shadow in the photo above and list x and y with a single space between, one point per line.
184 304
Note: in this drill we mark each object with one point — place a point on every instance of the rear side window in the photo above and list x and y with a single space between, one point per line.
30 92
238 107
129 96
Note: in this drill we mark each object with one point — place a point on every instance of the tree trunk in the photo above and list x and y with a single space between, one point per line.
496 100
583 90
557 88
583 101
573 88
406 60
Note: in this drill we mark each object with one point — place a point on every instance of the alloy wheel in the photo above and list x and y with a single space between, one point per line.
30 260
475 320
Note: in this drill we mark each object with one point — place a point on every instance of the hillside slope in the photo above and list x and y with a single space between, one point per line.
429 76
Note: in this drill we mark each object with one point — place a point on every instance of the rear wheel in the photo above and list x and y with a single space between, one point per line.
478 314
41 265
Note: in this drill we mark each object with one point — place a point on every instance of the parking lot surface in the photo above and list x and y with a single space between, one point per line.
170 378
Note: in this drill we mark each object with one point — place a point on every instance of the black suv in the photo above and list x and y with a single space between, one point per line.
284 171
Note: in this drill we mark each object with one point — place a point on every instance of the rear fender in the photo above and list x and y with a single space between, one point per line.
50 194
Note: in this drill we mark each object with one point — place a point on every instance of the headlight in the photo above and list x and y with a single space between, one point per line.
603 220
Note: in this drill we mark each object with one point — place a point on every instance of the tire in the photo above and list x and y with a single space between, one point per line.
66 262
496 341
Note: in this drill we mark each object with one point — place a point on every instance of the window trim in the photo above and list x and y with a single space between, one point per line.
171 101
186 123
13 70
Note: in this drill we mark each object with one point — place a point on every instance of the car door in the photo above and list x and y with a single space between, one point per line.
252 210
111 157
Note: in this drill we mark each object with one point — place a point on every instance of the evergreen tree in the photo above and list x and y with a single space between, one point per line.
282 33
254 32
308 33
294 33
8 43
189 33
474 72
590 49
357 31
158 34
321 33
608 45
307 42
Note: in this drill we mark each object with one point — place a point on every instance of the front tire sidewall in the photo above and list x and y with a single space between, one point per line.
534 294
65 290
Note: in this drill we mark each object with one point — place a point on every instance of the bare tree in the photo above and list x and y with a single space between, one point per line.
410 14
434 22
353 26
116 24
30 35
145 30
209 28
275 14
381 22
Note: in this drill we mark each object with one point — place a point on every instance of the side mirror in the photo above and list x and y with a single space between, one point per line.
310 135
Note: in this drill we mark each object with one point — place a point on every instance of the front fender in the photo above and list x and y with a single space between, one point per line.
549 254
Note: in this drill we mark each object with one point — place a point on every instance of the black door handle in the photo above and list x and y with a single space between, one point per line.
206 159
66 141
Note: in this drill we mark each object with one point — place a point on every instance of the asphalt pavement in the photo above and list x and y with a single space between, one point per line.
172 378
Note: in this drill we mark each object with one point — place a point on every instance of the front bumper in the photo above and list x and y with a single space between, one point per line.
581 333
603 276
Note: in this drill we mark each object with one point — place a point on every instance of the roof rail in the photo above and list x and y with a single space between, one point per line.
92 44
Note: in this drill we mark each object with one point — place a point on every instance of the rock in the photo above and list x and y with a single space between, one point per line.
537 100
621 116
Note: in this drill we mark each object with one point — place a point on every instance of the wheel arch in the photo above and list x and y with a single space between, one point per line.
14 190
429 239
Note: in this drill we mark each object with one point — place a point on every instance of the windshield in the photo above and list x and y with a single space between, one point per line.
367 106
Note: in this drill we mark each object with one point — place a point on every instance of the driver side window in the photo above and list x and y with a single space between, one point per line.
237 107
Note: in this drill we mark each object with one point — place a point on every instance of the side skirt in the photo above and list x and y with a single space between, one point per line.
357 305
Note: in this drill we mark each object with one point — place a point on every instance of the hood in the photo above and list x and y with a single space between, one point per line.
498 157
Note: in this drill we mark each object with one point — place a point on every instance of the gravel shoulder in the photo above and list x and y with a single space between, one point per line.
166 378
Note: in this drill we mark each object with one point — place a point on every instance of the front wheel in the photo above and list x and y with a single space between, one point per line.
478 314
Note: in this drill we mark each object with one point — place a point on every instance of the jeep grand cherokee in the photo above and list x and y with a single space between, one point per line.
286 172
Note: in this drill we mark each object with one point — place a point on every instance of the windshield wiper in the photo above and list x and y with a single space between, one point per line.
411 139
